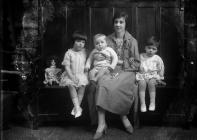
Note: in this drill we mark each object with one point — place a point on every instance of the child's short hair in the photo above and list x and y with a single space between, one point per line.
79 35
98 35
153 41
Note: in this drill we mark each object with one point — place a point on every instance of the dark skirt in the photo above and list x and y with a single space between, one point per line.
115 93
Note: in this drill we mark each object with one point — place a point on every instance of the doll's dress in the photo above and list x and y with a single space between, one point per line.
52 75
76 61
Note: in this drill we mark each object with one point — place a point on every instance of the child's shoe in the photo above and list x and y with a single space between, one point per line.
78 112
143 108
151 107
73 112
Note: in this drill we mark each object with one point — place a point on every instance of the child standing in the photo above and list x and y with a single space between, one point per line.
151 73
74 76
103 58
52 73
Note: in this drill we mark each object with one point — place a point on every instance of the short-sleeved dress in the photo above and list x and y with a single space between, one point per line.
76 61
151 67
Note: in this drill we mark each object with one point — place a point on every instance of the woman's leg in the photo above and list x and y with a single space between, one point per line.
101 120
101 129
74 97
142 90
128 126
91 91
152 93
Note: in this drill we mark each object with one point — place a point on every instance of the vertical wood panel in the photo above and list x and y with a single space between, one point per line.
77 19
101 21
170 38
146 25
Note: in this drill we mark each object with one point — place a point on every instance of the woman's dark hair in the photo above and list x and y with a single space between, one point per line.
120 14
153 40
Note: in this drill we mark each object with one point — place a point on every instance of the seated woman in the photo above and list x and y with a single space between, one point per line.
115 92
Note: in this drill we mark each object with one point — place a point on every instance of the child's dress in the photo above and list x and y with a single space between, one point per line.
151 67
76 61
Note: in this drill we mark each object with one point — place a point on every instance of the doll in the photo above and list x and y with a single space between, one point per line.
52 73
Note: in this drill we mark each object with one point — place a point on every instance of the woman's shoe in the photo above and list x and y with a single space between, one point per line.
129 129
99 135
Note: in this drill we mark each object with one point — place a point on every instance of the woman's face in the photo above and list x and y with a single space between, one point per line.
79 44
119 24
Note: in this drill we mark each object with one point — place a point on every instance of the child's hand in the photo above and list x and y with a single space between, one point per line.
75 79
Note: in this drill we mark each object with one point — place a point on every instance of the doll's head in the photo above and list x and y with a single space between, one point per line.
151 46
79 40
100 42
52 61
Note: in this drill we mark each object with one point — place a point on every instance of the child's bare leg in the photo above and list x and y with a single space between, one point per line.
142 89
152 93
81 92
74 97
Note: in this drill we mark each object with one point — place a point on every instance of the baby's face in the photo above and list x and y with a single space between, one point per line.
100 43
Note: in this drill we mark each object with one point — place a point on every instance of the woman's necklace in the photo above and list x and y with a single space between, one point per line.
119 44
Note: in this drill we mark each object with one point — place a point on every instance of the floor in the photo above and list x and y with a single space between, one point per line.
80 131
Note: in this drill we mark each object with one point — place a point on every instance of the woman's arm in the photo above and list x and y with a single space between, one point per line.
114 58
134 50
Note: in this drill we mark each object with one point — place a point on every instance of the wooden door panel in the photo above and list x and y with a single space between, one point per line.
171 31
101 20
146 25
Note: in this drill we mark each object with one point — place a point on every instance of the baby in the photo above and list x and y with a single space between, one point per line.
103 58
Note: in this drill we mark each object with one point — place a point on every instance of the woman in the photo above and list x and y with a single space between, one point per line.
115 92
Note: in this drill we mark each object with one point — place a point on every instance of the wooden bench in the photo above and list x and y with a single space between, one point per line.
54 103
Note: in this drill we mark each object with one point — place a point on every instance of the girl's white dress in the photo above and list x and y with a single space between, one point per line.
76 61
151 67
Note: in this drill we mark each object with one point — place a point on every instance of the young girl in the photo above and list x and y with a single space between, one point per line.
151 73
52 73
74 76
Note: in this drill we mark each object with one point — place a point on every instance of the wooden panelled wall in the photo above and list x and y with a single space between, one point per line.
165 19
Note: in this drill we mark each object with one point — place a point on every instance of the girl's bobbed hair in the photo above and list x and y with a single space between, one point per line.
153 40
79 35
120 14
